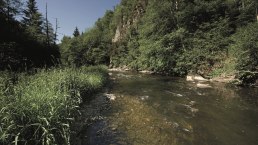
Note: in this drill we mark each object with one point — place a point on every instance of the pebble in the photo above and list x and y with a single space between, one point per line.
175 125
179 95
199 85
194 110
111 96
192 103
186 130
144 97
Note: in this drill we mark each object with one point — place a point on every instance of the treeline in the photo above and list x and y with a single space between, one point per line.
27 38
91 47
175 37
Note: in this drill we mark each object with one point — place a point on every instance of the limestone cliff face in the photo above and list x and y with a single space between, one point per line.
126 24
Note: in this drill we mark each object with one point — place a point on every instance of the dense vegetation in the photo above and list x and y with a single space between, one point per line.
27 38
39 108
38 103
208 37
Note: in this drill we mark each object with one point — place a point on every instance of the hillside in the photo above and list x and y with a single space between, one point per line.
208 37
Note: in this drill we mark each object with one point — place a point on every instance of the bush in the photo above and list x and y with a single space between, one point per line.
246 47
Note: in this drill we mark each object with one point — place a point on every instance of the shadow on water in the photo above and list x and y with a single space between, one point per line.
153 110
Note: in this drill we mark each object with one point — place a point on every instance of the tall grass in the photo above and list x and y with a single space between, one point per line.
38 109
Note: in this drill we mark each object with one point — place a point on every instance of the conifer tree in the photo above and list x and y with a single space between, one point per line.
48 32
10 8
76 32
33 19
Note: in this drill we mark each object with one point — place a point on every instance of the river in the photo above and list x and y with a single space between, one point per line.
160 110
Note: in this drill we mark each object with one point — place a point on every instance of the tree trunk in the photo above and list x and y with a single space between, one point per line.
56 30
47 27
8 11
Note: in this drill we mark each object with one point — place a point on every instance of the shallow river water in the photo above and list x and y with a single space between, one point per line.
158 110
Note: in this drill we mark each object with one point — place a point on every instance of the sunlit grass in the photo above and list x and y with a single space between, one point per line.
38 109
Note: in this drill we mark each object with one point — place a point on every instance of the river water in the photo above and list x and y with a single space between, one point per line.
158 110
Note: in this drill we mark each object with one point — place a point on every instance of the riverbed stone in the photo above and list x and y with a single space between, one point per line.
195 78
146 72
201 85
192 103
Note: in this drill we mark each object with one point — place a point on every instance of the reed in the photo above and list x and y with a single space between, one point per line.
39 108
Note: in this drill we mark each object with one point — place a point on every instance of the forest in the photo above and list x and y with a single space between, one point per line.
172 37
27 38
43 84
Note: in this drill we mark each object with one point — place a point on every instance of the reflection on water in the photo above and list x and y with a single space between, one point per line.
155 110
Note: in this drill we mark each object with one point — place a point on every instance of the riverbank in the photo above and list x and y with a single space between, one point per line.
220 79
40 108
125 69
239 79
91 121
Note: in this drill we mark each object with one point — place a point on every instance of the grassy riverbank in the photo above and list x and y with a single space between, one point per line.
39 108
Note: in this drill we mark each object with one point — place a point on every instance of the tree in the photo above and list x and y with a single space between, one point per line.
10 8
18 39
184 36
76 32
48 33
33 20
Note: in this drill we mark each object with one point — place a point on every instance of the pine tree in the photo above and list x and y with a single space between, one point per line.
33 20
10 8
76 32
48 28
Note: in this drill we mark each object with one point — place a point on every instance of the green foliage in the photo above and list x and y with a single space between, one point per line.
209 46
10 8
174 37
246 47
23 44
247 77
33 20
39 109
245 51
92 47
225 68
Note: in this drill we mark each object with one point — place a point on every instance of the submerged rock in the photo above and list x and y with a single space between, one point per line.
194 110
189 78
144 97
111 96
186 130
119 69
179 95
175 94
195 78
200 85
146 72
175 125
192 103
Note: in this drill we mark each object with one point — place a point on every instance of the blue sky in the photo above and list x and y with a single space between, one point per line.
72 13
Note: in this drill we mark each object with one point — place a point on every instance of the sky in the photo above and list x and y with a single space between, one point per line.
75 13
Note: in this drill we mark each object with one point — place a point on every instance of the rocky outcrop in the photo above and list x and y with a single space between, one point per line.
127 23
117 36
